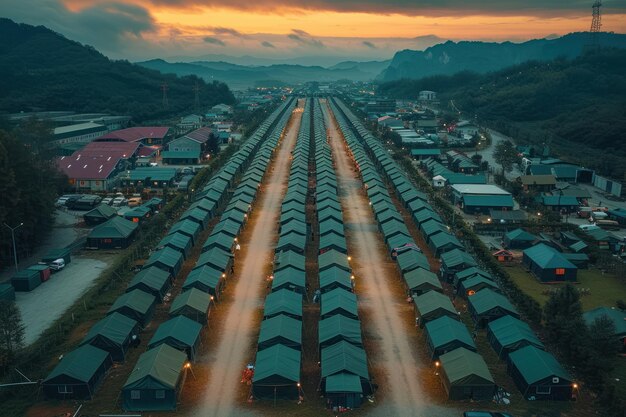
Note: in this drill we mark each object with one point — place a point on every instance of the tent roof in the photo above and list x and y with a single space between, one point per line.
80 364
432 301
101 211
217 257
463 366
186 226
343 382
137 300
339 299
344 357
457 257
477 280
115 327
205 274
421 276
411 259
114 228
334 274
339 325
520 235
289 275
333 257
152 277
177 240
509 330
281 326
618 317
333 239
535 364
277 360
283 301
193 298
163 364
180 328
547 257
443 330
486 299
167 256
288 258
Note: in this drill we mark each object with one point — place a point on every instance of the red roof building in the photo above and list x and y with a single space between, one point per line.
148 135
95 166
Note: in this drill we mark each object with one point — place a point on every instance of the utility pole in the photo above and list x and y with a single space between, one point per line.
164 88
13 229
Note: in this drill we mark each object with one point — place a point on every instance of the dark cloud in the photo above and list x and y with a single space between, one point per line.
214 41
417 7
268 44
228 31
369 45
303 38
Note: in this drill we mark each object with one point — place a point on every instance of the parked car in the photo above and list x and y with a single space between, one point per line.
57 265
119 201
588 227
485 414
134 201
107 200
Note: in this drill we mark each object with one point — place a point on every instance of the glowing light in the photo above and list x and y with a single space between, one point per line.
188 365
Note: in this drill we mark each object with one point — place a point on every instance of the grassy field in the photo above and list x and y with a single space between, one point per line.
604 289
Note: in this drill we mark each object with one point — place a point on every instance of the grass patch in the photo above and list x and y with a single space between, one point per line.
605 289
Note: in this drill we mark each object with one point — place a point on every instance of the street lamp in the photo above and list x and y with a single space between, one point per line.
13 229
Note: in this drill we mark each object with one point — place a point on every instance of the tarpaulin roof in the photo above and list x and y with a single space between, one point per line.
152 277
487 299
277 360
216 257
339 299
291 239
520 235
192 298
176 240
445 330
167 256
618 317
288 258
80 364
114 228
457 257
344 357
421 277
136 300
180 328
333 258
343 382
158 368
333 275
227 226
340 326
432 301
509 331
283 327
547 257
464 367
333 240
290 276
535 364
283 301
205 275
409 260
187 227
103 211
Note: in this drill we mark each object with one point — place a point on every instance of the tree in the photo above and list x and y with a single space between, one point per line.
564 322
11 332
602 334
506 155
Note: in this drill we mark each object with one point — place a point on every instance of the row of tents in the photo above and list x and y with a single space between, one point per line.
464 373
279 347
344 368
159 374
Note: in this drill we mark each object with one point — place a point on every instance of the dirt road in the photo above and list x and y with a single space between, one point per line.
228 358
401 387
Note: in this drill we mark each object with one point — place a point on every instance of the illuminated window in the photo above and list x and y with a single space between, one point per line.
560 271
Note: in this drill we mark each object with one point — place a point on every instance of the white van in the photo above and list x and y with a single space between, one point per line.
57 265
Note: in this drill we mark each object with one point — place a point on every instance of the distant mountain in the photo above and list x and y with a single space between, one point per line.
41 69
256 61
578 105
452 57
240 76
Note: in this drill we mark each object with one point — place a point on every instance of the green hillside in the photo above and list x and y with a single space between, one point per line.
577 105
41 69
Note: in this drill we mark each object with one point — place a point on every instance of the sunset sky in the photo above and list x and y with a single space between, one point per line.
372 29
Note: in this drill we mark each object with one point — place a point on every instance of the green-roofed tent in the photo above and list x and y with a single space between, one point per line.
408 260
167 259
335 277
337 328
187 227
291 279
538 375
473 285
219 240
548 265
508 334
26 280
487 305
339 301
443 242
156 380
470 272
288 259
193 304
152 280
454 261
465 376
206 279
78 374
344 358
216 258
179 332
177 241
283 302
445 335
433 305
419 281
281 330
99 215
277 373
115 233
197 215
291 241
333 258
330 225
207 205
137 305
112 334
54 254
294 226
518 239
333 241
228 226
138 214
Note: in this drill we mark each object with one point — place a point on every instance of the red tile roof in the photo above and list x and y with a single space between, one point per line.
147 150
135 134
97 160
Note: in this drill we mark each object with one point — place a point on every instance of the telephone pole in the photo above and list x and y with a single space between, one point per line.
164 88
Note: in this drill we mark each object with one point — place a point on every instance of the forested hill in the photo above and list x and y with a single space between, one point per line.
41 69
580 102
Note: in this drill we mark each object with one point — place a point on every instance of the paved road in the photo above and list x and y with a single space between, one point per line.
487 153
231 354
405 394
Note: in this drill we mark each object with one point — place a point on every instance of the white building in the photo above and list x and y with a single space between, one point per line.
427 95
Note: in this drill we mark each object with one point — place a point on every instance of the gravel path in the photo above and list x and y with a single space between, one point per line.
402 386
232 351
